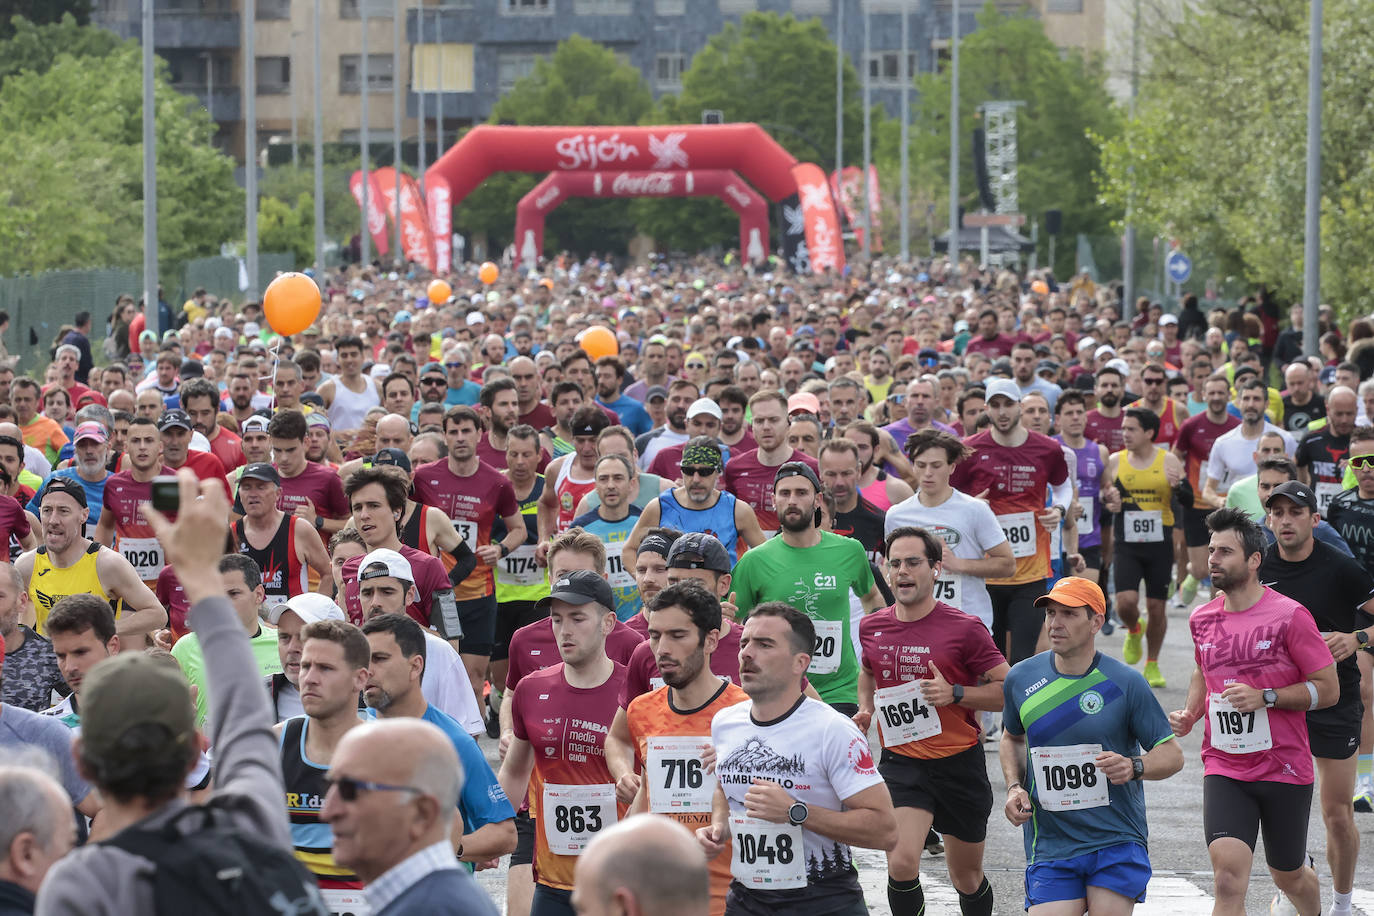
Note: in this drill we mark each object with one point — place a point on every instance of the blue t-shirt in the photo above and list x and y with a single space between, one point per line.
619 571
20 728
95 493
632 414
468 394
1110 705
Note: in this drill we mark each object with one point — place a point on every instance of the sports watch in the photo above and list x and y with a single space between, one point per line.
1137 768
797 814
1271 696
1361 638
958 690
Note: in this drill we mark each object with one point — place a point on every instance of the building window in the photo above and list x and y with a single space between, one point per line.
737 7
511 68
811 7
272 9
670 7
884 68
274 75
668 70
377 136
939 51
602 7
1063 6
379 73
376 9
527 7
441 68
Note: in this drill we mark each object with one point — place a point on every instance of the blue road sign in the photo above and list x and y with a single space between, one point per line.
1179 266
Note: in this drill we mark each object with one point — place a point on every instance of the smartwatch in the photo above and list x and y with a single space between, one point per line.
797 814
1361 638
1137 768
505 551
1271 696
958 693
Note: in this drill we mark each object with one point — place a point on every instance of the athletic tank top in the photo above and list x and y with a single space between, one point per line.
570 491
283 575
560 445
350 407
415 532
305 785
719 520
1144 490
518 576
1168 425
48 584
876 492
1088 474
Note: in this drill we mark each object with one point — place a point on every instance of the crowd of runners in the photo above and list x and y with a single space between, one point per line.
441 587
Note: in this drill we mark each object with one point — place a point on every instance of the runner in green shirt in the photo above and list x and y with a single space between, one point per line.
814 571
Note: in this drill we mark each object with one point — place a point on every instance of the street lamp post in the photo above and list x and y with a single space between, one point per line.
364 242
398 257
1311 249
150 297
250 141
317 152
868 137
953 248
904 68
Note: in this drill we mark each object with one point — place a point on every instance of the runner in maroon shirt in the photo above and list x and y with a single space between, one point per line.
1195 439
1104 421
749 476
174 426
311 491
988 341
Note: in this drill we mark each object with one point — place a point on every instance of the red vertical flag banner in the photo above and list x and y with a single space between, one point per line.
825 248
376 215
439 202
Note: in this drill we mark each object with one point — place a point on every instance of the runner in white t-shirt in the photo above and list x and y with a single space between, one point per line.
1233 454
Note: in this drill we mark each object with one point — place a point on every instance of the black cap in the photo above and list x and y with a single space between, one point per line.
656 543
312 398
797 469
191 368
261 470
66 485
593 426
581 586
173 417
392 456
698 550
1300 493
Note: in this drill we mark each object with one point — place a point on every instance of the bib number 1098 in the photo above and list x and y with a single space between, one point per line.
1072 776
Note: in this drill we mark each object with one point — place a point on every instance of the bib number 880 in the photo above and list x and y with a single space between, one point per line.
1071 776
577 819
750 848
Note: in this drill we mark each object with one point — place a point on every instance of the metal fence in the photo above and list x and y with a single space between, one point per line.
40 304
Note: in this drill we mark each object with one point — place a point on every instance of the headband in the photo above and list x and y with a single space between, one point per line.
656 543
703 456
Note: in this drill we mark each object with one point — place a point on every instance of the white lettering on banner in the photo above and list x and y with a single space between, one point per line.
740 197
572 815
1236 732
767 855
543 201
588 151
1143 527
677 778
668 152
1067 778
904 715
626 184
829 645
1019 527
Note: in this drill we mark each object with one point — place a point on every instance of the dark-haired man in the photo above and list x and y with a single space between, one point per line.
285 547
349 395
312 491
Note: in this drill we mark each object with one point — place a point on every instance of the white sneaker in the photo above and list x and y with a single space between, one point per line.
1281 906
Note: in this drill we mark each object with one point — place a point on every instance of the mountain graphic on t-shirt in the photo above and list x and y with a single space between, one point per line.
755 755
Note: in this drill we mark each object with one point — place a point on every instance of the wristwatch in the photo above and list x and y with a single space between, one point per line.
505 551
797 814
1271 696
1137 767
1361 638
958 693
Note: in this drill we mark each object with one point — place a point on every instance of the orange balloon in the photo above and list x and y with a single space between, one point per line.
439 292
597 342
291 303
488 273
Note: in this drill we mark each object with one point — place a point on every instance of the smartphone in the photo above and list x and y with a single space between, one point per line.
166 494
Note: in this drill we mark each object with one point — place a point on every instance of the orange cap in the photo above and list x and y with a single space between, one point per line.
1073 591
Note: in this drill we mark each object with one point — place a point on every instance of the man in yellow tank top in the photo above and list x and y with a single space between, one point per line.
1145 478
68 563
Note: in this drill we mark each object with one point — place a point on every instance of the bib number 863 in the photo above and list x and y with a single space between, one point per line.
750 848
577 819
1071 776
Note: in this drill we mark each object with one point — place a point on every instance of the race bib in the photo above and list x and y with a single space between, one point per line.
678 782
1019 527
1057 541
345 902
144 555
1237 732
1087 510
1143 527
617 576
904 715
1325 493
655 683
572 815
520 568
1067 778
767 856
1201 475
829 644
467 531
950 589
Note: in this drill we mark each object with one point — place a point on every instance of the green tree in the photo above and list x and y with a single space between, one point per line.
33 47
286 184
14 13
582 83
775 71
1215 155
71 192
283 227
1009 58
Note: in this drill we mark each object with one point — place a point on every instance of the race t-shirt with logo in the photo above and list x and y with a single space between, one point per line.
1296 417
134 538
1273 643
574 800
533 648
819 757
752 481
863 523
1067 721
1195 440
619 573
473 503
668 742
1016 481
1105 430
1321 452
899 652
1353 519
641 672
568 490
816 581
172 595
318 486
1168 420
969 529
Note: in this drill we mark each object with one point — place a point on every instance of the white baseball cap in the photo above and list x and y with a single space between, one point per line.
397 566
1005 387
704 405
309 607
1104 350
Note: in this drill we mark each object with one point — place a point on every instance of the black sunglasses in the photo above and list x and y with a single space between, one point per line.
697 472
349 788
433 381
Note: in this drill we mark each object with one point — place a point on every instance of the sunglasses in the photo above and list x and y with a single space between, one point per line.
1152 381
349 788
1362 462
696 365
697 472
434 381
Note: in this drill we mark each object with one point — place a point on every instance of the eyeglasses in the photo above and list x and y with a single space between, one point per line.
695 365
910 562
1362 462
697 472
349 788
1152 381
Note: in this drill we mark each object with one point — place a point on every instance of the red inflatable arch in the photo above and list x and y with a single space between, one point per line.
546 197
745 148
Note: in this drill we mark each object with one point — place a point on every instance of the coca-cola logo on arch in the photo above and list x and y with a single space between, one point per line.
650 184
